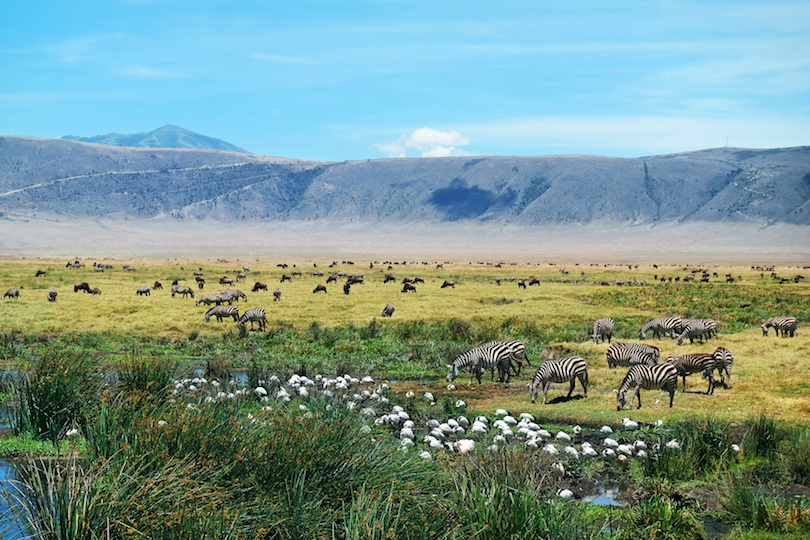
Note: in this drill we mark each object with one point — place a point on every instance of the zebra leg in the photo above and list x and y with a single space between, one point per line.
546 386
671 397
582 380
637 393
684 384
571 390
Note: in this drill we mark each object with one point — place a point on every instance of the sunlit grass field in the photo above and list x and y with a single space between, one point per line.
770 374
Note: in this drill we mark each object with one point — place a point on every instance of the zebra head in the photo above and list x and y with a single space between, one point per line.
453 372
621 398
765 328
534 390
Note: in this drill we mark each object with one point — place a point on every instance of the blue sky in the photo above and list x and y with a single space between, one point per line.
358 79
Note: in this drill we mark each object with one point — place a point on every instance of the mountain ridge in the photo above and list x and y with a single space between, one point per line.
168 136
72 179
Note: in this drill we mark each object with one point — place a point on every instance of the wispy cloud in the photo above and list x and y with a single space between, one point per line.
427 142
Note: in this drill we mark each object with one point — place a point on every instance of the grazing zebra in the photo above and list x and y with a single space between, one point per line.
559 371
694 363
660 376
51 295
666 326
182 289
209 299
448 283
96 291
83 286
722 363
694 329
14 292
388 310
480 359
220 312
253 315
319 288
517 351
259 287
276 295
631 354
603 328
144 291
783 325
711 328
233 294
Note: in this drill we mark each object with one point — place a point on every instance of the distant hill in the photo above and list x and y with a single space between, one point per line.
165 137
79 180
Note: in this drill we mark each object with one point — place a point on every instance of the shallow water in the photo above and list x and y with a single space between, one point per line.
605 497
9 526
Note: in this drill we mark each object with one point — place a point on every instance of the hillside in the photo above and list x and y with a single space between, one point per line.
70 179
164 137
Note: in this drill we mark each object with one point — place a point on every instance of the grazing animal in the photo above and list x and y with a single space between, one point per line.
276 295
221 312
225 280
51 295
83 286
209 299
388 310
694 329
662 327
479 359
157 285
41 273
722 363
286 277
241 276
145 291
331 279
660 376
559 371
521 283
694 363
408 287
233 294
517 350
182 289
259 287
96 291
257 315
319 288
630 354
14 292
534 281
389 277
603 328
783 325
200 281
448 283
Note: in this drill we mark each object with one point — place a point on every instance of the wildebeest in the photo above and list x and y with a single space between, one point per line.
41 273
276 295
388 310
521 283
14 292
408 287
389 277
259 287
225 280
143 291
83 286
96 291
331 279
157 285
347 287
285 277
200 281
319 288
448 283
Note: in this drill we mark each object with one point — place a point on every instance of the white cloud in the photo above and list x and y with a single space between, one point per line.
427 142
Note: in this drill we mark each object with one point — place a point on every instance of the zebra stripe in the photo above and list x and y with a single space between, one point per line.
722 363
209 299
559 371
488 356
232 294
517 353
220 312
256 314
631 354
694 329
660 376
783 325
667 326
603 328
695 363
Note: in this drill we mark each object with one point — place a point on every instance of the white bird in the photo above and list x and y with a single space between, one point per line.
610 443
551 449
571 451
544 433
464 445
462 420
429 397
424 454
563 436
608 452
432 423
510 420
673 445
501 412
565 494
559 467
532 443
406 443
526 416
451 386
606 430
260 391
460 404
625 449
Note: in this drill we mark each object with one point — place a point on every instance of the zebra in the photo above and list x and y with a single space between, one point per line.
662 327
559 371
182 289
694 329
783 325
209 299
276 295
233 294
479 359
14 292
711 328
256 314
630 354
388 310
603 328
695 363
660 376
517 351
722 363
220 312
51 295
144 291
